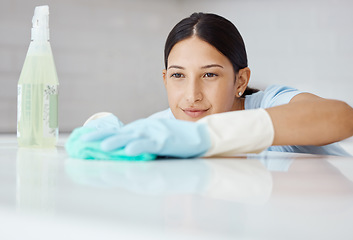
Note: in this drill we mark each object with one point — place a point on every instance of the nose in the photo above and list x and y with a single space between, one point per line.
193 91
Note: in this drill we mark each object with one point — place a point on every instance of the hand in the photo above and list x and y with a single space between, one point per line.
163 137
76 148
103 121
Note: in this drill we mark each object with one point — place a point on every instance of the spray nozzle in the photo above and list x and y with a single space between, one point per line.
40 21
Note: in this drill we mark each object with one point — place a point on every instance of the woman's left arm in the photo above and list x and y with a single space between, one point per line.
310 120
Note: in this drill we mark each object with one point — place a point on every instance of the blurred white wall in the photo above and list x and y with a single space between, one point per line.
109 53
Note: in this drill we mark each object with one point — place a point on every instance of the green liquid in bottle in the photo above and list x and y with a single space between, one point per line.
37 123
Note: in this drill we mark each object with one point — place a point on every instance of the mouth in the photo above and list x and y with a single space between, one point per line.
194 113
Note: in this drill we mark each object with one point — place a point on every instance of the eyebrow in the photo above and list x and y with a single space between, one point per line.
176 66
211 66
203 67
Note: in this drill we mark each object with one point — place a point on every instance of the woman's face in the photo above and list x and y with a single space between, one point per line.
199 80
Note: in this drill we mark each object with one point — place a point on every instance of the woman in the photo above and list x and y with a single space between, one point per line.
206 77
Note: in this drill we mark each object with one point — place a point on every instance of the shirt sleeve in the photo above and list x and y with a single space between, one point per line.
274 95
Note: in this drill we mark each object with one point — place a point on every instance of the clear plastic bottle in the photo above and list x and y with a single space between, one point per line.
37 106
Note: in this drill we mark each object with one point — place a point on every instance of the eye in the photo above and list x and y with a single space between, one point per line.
210 75
177 75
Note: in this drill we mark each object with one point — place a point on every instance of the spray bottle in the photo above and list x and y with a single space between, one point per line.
37 106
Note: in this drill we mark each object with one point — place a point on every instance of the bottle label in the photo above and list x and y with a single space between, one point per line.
50 111
19 108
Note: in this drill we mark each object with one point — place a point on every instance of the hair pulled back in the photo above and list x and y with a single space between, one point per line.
215 30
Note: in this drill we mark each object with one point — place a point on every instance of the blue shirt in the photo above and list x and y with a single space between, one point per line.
275 95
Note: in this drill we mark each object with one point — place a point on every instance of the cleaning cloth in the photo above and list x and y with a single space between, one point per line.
76 148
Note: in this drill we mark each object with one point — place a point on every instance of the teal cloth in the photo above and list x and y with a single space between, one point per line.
76 148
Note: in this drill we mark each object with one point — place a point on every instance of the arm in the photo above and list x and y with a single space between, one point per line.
306 120
311 120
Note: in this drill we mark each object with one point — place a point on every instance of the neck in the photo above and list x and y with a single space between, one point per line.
239 104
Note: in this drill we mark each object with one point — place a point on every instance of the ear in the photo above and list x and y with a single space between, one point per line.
242 81
165 78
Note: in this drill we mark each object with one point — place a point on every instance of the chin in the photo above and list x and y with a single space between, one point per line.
191 119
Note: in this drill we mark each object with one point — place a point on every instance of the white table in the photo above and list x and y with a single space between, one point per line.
46 195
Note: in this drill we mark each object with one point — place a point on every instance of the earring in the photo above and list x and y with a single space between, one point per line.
240 93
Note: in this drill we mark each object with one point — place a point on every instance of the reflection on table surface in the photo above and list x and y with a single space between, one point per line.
257 196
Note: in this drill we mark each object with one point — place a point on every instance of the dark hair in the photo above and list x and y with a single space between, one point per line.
215 30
